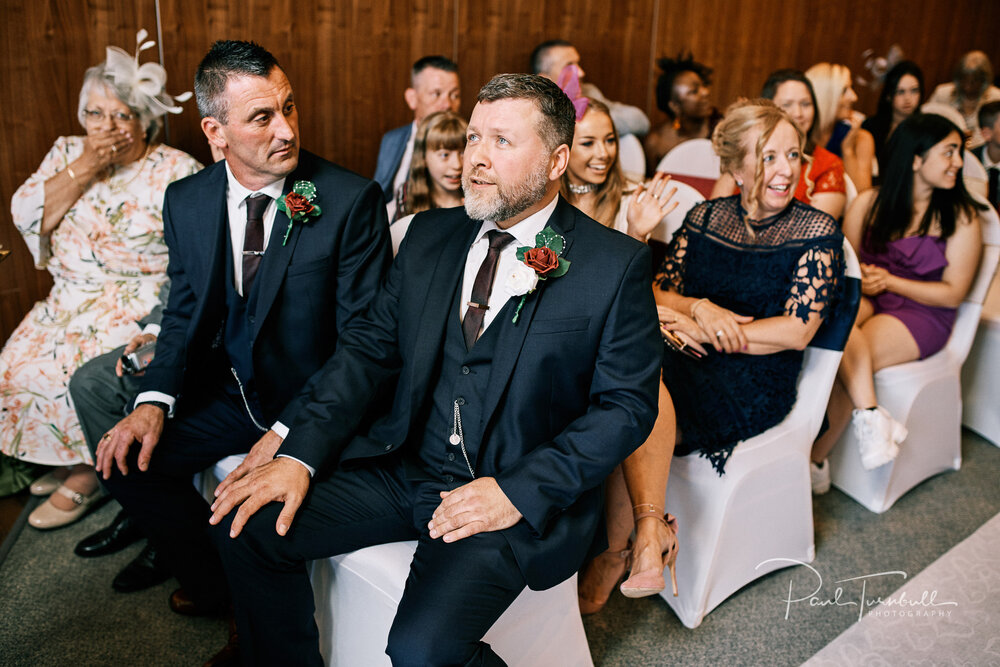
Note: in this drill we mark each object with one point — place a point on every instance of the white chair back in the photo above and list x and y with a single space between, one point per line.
631 156
686 199
975 176
851 190
694 157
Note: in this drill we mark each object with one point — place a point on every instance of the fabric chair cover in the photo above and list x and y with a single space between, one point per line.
850 192
756 518
975 176
925 396
980 377
694 157
631 156
357 593
686 198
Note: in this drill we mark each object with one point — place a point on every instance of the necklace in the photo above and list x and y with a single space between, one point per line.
583 189
118 188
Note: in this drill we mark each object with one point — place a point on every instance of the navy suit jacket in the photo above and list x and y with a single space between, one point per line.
572 388
390 154
978 152
308 289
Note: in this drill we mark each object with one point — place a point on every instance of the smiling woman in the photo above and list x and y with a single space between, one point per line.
746 283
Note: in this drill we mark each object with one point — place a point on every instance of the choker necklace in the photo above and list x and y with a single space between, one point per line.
583 189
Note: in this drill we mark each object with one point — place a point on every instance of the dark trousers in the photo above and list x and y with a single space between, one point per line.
209 426
453 594
101 397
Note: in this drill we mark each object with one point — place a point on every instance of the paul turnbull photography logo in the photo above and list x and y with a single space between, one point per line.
854 592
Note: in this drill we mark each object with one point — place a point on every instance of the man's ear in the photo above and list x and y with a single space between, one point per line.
410 95
558 162
214 132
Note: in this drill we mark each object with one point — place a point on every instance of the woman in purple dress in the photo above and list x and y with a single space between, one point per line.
919 243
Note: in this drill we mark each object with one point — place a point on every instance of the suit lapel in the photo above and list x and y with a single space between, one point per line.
511 337
276 259
212 223
437 309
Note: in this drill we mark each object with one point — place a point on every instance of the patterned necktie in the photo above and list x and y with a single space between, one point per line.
253 239
473 322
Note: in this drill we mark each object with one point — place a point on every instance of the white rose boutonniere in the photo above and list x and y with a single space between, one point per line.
521 280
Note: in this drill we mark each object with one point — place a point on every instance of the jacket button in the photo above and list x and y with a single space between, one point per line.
465 370
449 479
451 457
460 400
388 447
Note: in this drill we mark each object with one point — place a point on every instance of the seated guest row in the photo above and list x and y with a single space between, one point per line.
371 413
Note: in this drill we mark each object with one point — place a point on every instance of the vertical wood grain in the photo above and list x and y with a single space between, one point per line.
349 60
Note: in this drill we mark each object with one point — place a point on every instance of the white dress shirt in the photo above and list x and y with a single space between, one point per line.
524 235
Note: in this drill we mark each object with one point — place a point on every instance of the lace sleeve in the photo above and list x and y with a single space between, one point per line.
816 282
671 274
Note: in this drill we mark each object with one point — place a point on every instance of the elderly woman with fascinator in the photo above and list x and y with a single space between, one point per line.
91 216
634 493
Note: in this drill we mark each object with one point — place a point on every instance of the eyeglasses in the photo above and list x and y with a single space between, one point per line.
96 116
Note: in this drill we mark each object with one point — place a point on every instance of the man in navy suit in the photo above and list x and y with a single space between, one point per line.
510 407
434 86
256 306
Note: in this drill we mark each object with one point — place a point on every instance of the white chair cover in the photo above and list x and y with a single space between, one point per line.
631 157
357 593
850 191
756 518
975 176
980 376
686 198
926 396
694 157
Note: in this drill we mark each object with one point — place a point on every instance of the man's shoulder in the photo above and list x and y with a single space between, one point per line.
437 224
213 175
401 133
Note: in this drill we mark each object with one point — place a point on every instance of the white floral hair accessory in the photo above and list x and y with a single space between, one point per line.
145 83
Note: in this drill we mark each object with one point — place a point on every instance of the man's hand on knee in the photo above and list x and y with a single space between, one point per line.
259 454
476 507
282 480
144 425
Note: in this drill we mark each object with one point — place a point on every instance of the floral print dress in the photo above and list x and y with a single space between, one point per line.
108 260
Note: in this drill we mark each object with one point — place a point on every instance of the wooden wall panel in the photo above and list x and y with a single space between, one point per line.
45 47
613 39
349 61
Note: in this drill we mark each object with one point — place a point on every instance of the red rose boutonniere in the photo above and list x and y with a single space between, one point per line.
298 205
539 263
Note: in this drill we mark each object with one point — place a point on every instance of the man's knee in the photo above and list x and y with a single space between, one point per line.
419 641
258 540
95 379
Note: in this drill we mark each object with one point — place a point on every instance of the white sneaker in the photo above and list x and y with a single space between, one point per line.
877 433
819 475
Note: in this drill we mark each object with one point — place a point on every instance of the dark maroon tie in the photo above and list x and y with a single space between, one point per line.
473 322
253 239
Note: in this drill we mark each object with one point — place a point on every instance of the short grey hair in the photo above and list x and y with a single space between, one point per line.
558 121
226 59
100 78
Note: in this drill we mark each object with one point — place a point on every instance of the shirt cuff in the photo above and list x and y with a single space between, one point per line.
152 330
280 429
312 471
157 397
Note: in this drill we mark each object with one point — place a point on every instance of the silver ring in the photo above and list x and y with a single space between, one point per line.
718 334
114 149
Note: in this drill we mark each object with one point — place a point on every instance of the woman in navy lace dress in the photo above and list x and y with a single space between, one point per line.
746 283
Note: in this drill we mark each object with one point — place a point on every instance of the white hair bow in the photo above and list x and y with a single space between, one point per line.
145 83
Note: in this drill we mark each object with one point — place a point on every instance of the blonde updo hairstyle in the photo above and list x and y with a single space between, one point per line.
731 143
829 82
442 130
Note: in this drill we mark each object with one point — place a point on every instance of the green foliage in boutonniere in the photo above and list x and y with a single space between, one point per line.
539 263
298 205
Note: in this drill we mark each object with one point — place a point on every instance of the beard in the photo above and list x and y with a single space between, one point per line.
510 199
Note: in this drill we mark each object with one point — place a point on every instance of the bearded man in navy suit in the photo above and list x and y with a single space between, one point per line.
511 407
273 251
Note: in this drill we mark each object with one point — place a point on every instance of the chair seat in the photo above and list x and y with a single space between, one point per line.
357 593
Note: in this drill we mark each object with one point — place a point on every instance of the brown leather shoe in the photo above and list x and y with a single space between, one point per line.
229 656
182 603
